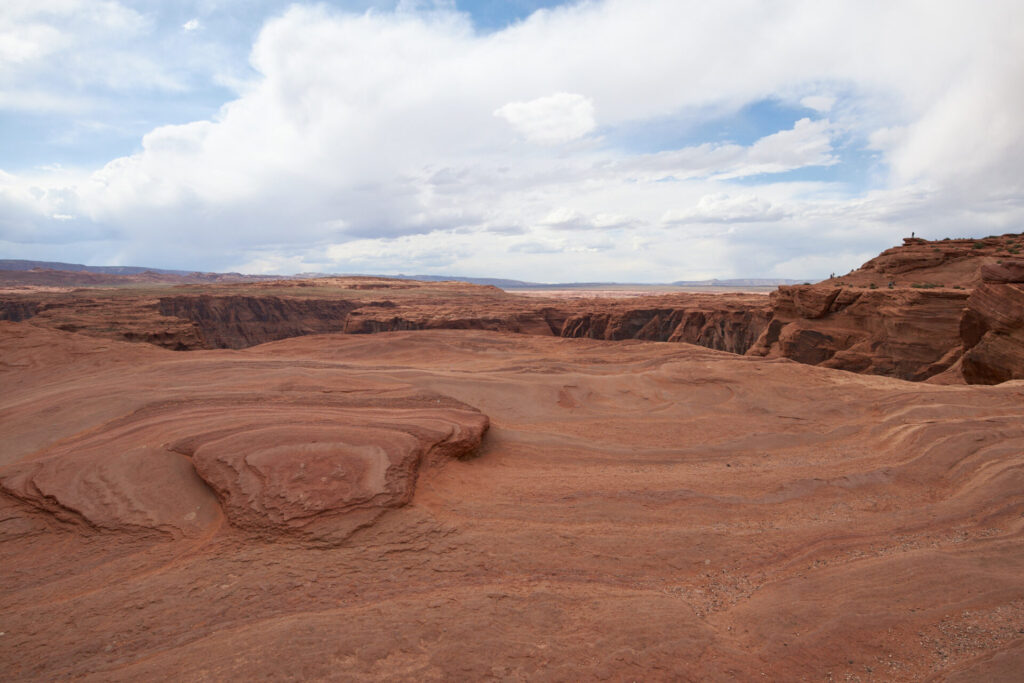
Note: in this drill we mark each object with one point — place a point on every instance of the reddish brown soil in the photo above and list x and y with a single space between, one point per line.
636 511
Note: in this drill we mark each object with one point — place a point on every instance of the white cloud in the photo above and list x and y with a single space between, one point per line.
191 25
555 119
725 208
808 143
51 51
392 141
819 103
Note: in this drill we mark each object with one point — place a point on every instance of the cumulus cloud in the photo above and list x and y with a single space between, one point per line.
819 103
75 45
394 141
570 219
558 118
724 208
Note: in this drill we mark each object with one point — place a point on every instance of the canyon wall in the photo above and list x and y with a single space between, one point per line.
237 322
907 333
724 325
992 328
950 311
946 311
190 321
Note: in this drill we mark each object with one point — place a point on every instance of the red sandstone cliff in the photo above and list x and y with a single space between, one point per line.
240 316
992 327
950 310
946 311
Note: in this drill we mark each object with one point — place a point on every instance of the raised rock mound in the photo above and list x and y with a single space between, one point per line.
260 442
946 263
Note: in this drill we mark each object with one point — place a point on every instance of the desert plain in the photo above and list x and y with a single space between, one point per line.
368 479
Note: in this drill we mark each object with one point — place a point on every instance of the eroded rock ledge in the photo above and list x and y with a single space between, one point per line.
257 445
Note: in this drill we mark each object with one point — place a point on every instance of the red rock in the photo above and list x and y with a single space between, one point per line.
243 315
326 471
1005 272
992 332
639 511
282 455
904 332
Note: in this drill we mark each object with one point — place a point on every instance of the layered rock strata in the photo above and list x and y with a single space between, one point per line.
992 328
906 333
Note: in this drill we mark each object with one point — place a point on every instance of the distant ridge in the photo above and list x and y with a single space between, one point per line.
521 284
502 283
17 264
741 282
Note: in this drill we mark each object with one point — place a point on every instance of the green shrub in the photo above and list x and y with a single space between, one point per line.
978 245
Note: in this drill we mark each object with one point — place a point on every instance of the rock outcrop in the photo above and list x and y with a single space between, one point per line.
17 310
239 316
992 328
948 311
640 511
945 263
906 333
238 322
273 451
725 323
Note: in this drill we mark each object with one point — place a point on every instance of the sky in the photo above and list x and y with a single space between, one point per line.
602 140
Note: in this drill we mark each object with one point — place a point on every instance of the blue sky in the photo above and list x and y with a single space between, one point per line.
628 140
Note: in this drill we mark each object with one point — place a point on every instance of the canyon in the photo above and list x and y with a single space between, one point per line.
364 478
925 311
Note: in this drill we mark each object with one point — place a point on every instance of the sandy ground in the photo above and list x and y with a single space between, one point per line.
637 511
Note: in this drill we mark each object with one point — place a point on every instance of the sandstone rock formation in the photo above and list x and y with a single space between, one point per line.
237 322
946 263
723 322
274 455
946 311
919 312
637 511
992 328
242 315
907 333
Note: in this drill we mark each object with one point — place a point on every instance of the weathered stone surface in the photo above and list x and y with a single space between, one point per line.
237 322
120 486
1006 271
243 315
992 332
641 511
334 468
947 263
722 322
181 444
871 321
903 332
